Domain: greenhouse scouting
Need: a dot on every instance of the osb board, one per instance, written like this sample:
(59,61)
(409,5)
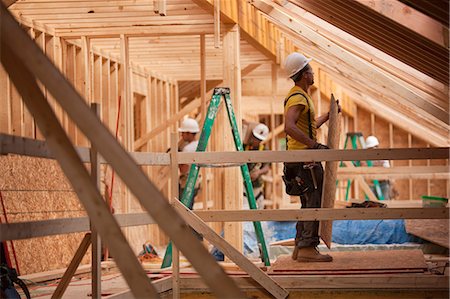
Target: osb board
(356,260)
(36,189)
(330,175)
(433,230)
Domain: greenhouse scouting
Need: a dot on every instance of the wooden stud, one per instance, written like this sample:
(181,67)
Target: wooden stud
(216,24)
(232,197)
(174,198)
(96,255)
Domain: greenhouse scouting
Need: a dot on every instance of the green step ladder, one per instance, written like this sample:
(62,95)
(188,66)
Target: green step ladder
(188,193)
(356,137)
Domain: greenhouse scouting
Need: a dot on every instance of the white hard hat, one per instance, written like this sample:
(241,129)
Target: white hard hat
(261,131)
(189,125)
(371,141)
(294,63)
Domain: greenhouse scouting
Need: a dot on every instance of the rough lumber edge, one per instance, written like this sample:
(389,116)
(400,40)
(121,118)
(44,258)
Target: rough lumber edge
(257,274)
(329,181)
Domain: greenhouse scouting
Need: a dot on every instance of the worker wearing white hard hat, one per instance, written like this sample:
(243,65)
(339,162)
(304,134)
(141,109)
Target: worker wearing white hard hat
(385,185)
(188,129)
(303,179)
(254,143)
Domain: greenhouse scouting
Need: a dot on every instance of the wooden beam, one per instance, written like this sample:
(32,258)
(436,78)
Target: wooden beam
(437,10)
(315,155)
(74,263)
(34,229)
(402,120)
(286,19)
(237,257)
(16,42)
(96,250)
(137,31)
(330,282)
(38,148)
(209,7)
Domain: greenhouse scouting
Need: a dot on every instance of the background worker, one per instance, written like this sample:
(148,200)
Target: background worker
(385,185)
(188,129)
(257,170)
(303,178)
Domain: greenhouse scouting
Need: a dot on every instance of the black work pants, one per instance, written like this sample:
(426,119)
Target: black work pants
(307,231)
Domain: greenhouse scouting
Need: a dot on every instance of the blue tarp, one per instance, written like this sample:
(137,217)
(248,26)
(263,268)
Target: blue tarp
(347,232)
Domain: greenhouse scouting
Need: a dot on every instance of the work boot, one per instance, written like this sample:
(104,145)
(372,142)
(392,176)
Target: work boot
(311,254)
(295,253)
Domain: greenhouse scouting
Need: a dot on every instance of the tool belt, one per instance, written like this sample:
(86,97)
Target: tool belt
(298,179)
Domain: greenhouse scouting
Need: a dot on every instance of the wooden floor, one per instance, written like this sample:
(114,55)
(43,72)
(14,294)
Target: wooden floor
(356,262)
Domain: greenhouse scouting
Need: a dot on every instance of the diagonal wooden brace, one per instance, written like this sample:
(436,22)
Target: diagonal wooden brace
(237,257)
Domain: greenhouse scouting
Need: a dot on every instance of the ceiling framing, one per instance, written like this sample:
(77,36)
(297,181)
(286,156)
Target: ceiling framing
(372,55)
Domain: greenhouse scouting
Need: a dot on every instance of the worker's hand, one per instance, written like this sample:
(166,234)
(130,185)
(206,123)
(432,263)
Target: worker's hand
(318,145)
(339,106)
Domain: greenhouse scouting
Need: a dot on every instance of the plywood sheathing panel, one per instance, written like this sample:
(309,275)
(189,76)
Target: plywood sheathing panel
(433,230)
(376,260)
(36,189)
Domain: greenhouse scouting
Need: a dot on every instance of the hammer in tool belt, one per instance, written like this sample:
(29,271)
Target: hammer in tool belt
(311,166)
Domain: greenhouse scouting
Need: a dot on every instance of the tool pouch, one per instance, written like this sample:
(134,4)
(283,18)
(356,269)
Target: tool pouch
(297,180)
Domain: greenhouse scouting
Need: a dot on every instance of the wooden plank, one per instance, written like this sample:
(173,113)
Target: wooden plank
(357,260)
(435,231)
(72,166)
(323,214)
(329,180)
(174,190)
(33,229)
(38,148)
(237,257)
(314,155)
(96,250)
(146,30)
(74,263)
(330,282)
(113,152)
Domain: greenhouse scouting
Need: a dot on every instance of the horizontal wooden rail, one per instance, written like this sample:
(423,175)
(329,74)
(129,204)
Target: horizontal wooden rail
(37,148)
(314,155)
(10,144)
(33,229)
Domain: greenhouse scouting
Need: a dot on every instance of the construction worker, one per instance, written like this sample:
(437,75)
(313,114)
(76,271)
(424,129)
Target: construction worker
(385,185)
(257,170)
(188,129)
(303,178)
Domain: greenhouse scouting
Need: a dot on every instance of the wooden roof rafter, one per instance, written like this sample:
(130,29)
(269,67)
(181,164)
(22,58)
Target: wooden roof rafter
(280,15)
(383,33)
(428,88)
